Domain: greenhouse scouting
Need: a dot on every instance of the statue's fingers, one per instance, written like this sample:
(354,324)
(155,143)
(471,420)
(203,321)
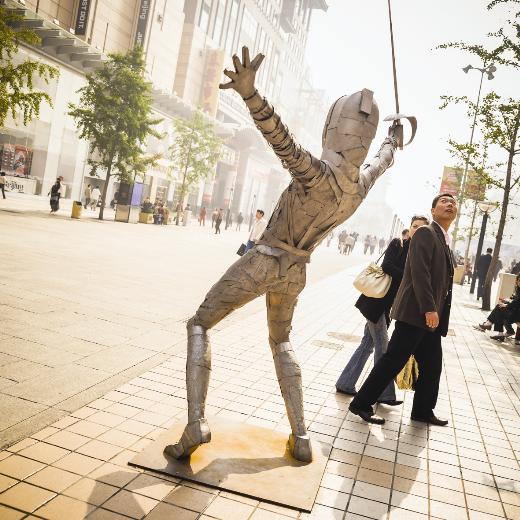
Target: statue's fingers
(245,57)
(255,64)
(237,64)
(225,85)
(230,74)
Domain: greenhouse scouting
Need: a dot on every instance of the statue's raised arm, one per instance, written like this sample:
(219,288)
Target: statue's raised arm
(302,165)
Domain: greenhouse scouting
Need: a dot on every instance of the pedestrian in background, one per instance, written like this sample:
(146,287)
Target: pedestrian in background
(218,221)
(349,244)
(482,268)
(382,243)
(202,216)
(55,194)
(257,230)
(342,241)
(214,217)
(88,195)
(377,313)
(373,244)
(240,219)
(366,244)
(422,312)
(2,183)
(96,194)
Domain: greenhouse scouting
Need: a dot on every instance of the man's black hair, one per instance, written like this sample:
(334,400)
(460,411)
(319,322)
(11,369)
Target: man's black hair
(489,250)
(260,211)
(440,195)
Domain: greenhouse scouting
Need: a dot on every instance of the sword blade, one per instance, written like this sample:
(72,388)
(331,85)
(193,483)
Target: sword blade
(396,93)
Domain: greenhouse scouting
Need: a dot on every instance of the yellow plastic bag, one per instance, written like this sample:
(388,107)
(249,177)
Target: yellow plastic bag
(408,376)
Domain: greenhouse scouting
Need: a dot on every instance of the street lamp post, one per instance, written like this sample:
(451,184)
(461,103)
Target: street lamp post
(486,208)
(489,70)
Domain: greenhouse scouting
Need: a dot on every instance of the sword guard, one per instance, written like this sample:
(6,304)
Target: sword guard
(398,128)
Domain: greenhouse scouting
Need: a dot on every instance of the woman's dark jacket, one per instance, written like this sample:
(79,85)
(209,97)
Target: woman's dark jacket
(513,307)
(393,264)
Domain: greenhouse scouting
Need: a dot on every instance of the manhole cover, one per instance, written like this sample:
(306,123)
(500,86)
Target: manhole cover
(344,337)
(326,344)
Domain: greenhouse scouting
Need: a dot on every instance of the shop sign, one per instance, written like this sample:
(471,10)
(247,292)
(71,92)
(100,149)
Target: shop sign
(142,22)
(82,17)
(20,184)
(211,80)
(452,178)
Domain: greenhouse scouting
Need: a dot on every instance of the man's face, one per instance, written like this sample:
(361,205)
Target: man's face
(445,210)
(258,215)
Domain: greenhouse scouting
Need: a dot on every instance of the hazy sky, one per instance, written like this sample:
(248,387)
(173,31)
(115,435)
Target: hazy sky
(348,49)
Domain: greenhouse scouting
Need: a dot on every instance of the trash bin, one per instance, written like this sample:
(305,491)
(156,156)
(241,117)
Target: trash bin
(77,207)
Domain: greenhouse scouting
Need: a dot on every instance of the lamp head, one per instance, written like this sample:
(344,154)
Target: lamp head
(490,71)
(467,68)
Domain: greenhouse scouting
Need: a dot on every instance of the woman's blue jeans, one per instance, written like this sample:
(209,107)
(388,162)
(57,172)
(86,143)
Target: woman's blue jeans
(374,339)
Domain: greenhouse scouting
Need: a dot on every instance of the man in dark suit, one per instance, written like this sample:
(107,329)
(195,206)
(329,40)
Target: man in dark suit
(482,268)
(422,311)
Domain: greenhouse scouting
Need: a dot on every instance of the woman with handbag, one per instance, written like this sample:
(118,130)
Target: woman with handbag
(377,313)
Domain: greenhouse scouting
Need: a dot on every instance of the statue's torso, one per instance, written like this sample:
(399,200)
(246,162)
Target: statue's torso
(304,217)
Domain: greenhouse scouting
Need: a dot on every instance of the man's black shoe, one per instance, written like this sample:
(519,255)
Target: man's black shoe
(367,415)
(346,392)
(430,420)
(391,402)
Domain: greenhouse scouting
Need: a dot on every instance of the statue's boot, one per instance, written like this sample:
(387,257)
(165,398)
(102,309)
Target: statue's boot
(290,379)
(198,370)
(195,433)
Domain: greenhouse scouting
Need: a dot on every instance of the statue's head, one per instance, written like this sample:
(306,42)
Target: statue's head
(350,127)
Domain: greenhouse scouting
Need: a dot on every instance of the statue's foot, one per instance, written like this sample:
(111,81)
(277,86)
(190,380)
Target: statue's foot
(300,447)
(195,434)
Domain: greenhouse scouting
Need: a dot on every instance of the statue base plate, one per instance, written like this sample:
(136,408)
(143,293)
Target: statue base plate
(244,459)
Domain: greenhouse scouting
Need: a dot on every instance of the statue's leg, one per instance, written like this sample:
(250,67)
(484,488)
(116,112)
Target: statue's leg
(280,309)
(243,281)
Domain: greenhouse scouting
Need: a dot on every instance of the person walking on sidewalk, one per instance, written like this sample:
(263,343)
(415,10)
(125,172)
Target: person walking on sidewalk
(422,312)
(504,315)
(2,183)
(377,313)
(88,195)
(482,268)
(373,244)
(55,193)
(257,230)
(240,219)
(382,243)
(218,221)
(96,194)
(366,244)
(202,216)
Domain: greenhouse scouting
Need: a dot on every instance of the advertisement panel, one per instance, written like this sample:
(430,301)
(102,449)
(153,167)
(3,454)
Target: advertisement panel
(80,26)
(475,188)
(212,75)
(142,22)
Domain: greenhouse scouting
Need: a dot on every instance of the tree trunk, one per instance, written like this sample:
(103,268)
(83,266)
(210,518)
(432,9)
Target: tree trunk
(105,189)
(183,186)
(486,297)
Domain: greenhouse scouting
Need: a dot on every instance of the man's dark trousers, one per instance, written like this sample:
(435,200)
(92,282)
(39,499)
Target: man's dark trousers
(407,340)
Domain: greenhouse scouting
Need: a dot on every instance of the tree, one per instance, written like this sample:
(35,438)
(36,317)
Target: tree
(196,150)
(114,115)
(501,125)
(17,93)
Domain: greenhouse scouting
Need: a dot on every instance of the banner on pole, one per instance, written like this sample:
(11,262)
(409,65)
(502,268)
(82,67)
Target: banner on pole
(82,17)
(142,22)
(475,188)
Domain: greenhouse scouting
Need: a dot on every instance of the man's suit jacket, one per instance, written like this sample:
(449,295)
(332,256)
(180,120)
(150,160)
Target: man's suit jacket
(427,280)
(483,265)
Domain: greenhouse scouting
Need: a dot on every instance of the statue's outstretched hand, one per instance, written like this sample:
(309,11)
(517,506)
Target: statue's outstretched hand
(243,79)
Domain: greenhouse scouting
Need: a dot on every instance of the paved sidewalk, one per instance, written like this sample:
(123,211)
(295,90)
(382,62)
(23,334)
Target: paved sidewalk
(403,470)
(87,305)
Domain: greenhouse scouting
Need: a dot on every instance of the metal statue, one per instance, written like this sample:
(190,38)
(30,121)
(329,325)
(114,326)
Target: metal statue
(323,193)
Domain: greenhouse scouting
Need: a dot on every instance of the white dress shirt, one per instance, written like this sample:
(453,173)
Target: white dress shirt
(257,229)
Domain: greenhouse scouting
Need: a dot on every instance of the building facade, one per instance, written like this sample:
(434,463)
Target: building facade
(187,43)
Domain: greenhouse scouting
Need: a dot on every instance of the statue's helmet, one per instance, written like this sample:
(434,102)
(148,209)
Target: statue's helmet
(350,127)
